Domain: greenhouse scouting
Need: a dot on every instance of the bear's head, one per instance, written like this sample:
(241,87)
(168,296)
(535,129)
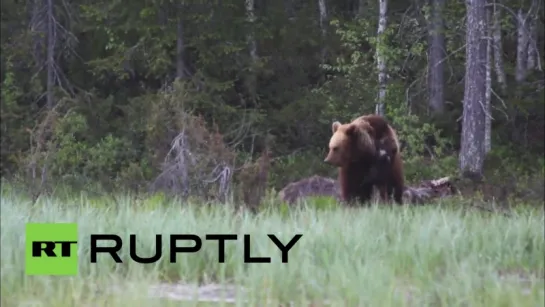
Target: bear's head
(350,142)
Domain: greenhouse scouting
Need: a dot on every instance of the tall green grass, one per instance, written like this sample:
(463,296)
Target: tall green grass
(377,256)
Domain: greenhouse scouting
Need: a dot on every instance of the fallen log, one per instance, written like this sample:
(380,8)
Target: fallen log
(426,191)
(429,190)
(308,187)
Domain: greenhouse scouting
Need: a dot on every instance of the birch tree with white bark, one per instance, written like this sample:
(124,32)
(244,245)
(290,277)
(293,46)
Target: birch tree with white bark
(323,25)
(437,55)
(380,56)
(488,84)
(497,47)
(522,46)
(472,149)
(250,16)
(528,57)
(252,46)
(181,70)
(533,60)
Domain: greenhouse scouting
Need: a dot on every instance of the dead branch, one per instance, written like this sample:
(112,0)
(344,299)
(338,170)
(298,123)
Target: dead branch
(198,162)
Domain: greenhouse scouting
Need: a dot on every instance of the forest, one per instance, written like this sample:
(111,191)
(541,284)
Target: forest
(186,96)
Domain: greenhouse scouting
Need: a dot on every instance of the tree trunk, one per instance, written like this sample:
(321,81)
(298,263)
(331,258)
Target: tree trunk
(289,10)
(437,57)
(38,28)
(381,63)
(531,61)
(180,50)
(522,46)
(251,80)
(488,90)
(473,122)
(498,49)
(51,36)
(361,8)
(323,26)
(250,15)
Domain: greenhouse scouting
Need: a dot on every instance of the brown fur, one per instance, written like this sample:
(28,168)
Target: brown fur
(355,149)
(390,178)
(353,181)
(383,133)
(349,142)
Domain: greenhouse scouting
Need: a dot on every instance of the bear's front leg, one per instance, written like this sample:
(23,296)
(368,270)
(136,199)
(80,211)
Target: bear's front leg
(365,193)
(384,190)
(398,195)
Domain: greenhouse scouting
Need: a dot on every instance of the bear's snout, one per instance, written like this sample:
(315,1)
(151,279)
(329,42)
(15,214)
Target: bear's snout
(331,160)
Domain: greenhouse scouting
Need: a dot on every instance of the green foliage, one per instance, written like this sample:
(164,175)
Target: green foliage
(322,203)
(118,107)
(294,167)
(76,157)
(13,125)
(419,168)
(411,129)
(315,203)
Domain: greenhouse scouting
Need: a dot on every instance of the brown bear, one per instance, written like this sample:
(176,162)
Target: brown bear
(391,179)
(389,163)
(361,150)
(352,149)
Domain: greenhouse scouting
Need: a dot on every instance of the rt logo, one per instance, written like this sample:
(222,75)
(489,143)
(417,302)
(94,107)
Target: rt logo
(51,249)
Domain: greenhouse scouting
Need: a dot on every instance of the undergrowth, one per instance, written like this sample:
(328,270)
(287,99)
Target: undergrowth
(442,254)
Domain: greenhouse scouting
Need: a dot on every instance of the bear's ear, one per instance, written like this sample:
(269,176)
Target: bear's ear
(351,129)
(335,126)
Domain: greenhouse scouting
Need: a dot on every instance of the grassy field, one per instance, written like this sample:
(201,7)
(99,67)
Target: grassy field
(379,256)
